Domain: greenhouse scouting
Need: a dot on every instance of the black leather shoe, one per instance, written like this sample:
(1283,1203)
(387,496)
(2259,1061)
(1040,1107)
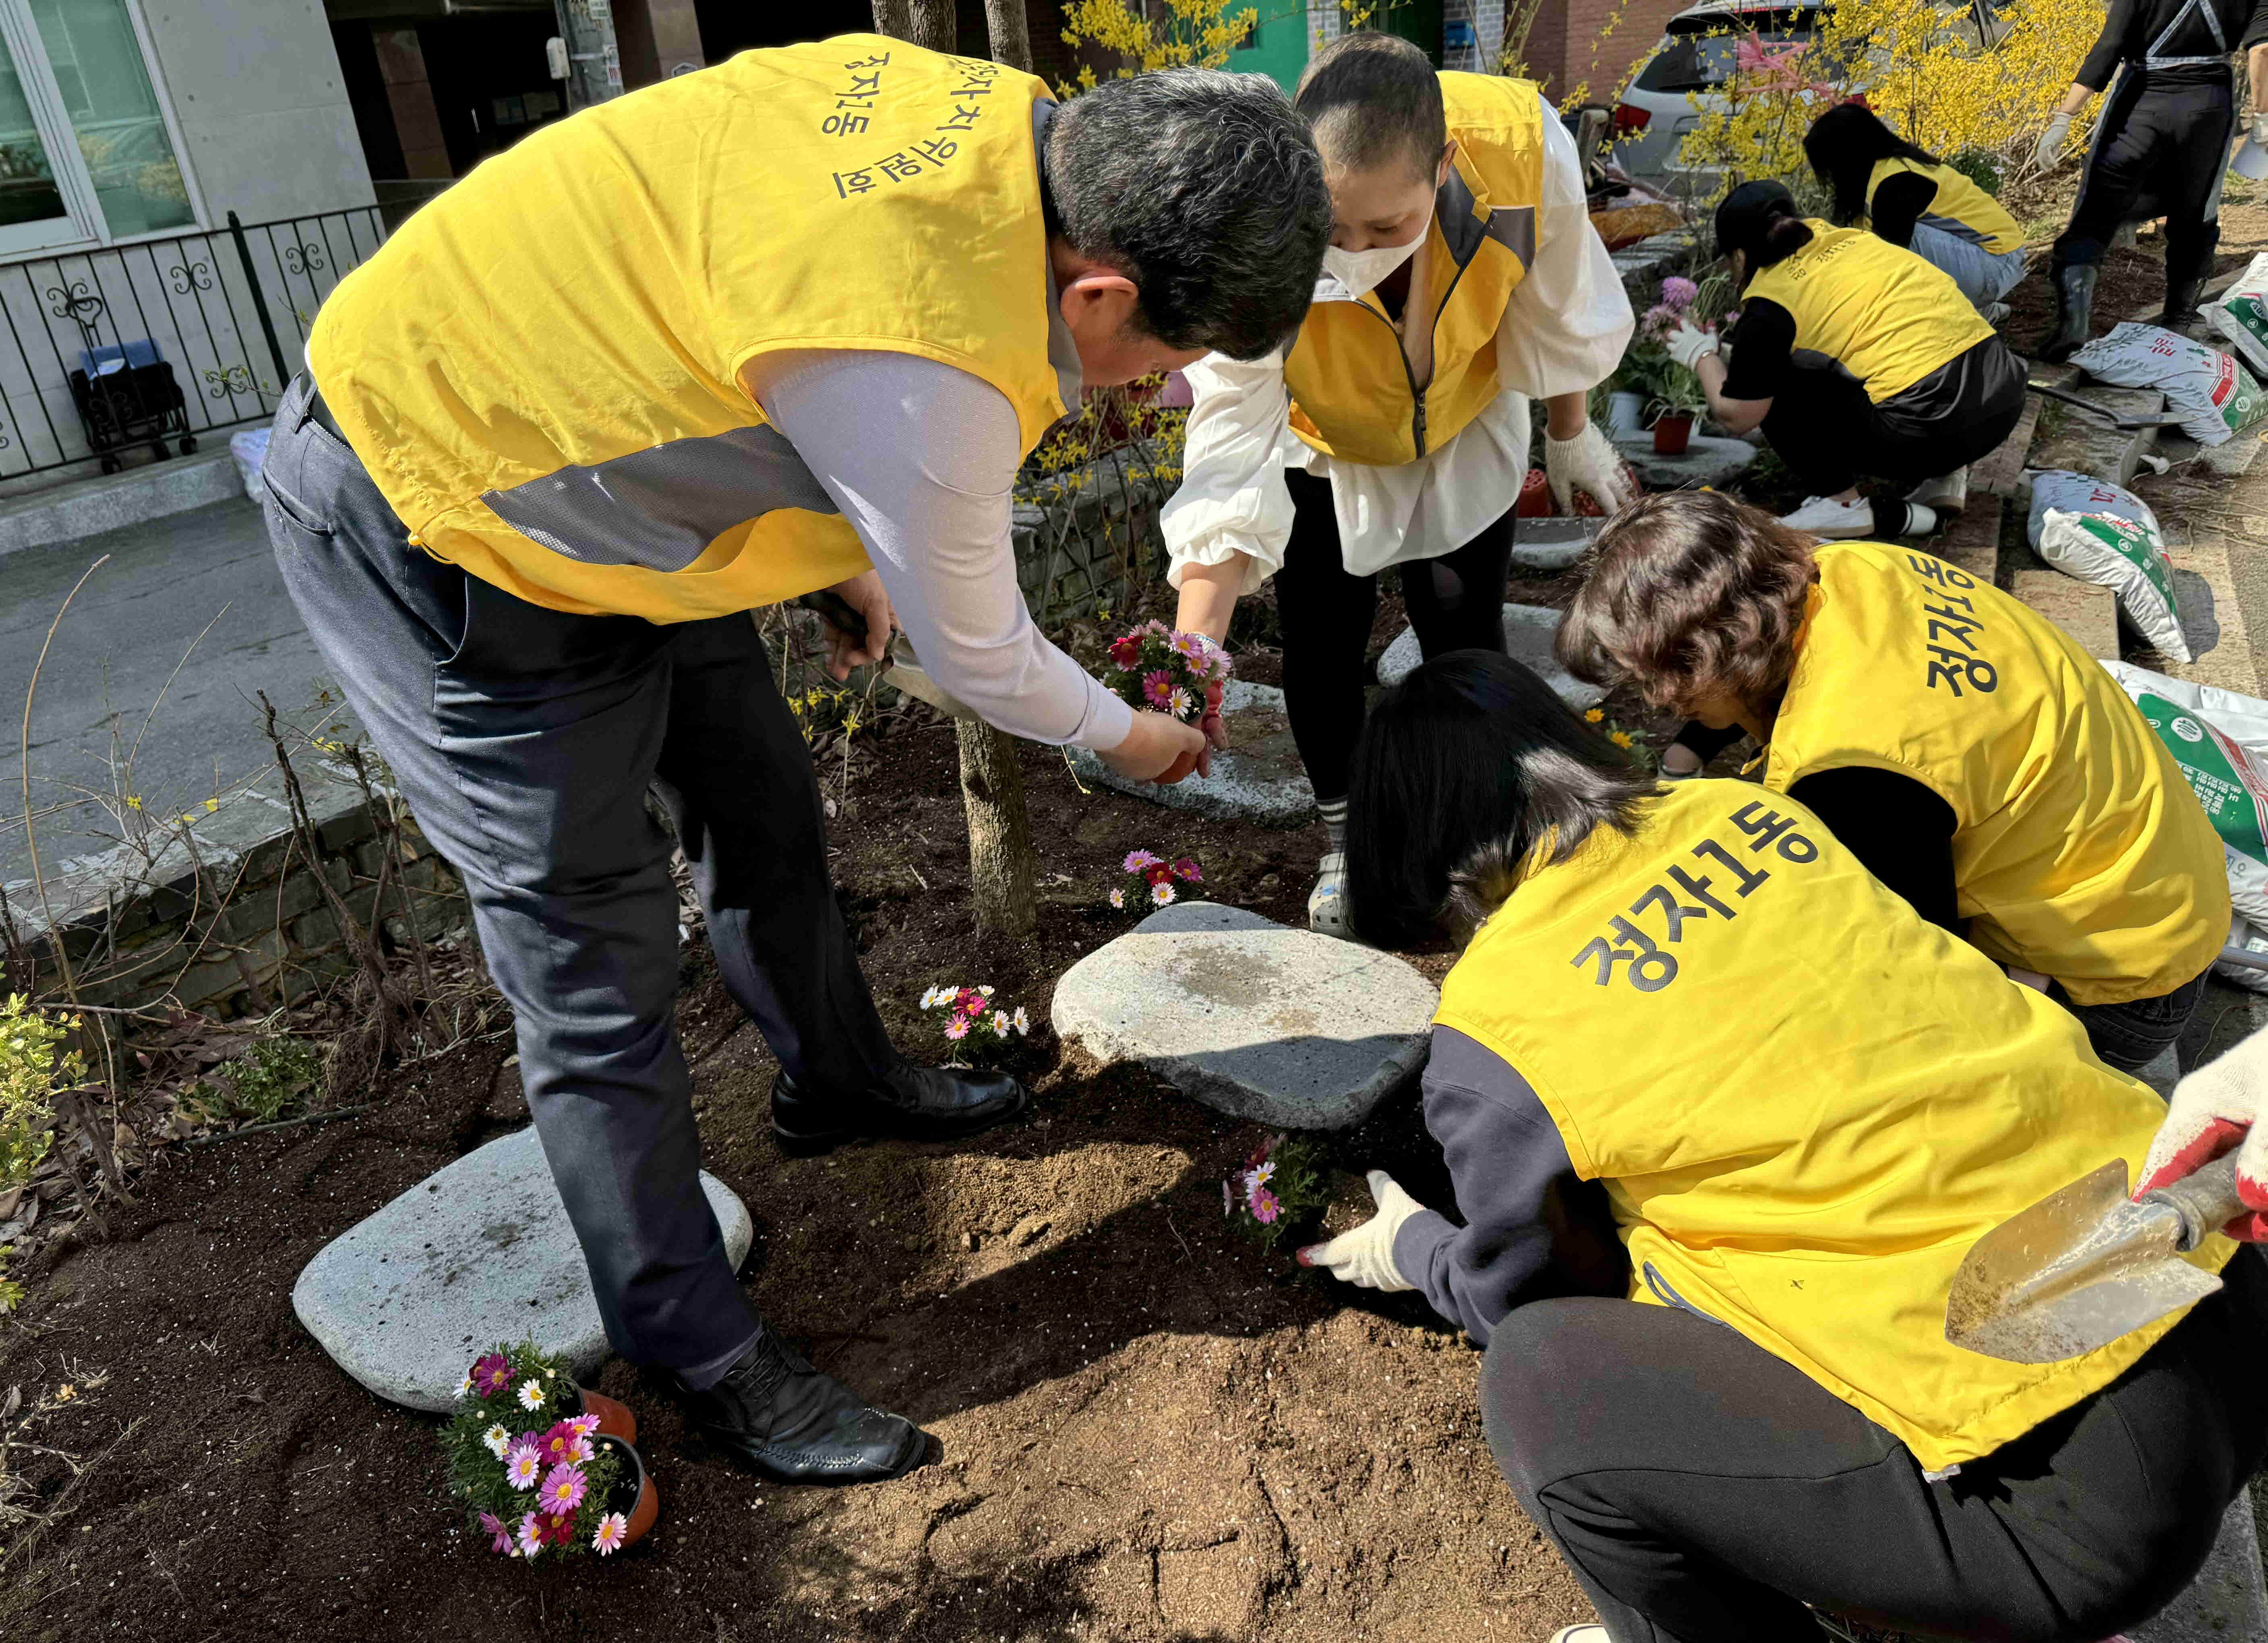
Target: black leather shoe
(928,1103)
(2074,289)
(782,1418)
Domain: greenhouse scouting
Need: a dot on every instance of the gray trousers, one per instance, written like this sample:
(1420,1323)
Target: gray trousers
(525,741)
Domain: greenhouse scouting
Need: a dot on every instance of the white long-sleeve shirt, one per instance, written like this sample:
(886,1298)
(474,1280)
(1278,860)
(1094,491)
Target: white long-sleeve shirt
(1563,331)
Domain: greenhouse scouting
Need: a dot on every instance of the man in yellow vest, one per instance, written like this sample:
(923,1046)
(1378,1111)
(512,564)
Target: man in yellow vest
(1803,1104)
(789,323)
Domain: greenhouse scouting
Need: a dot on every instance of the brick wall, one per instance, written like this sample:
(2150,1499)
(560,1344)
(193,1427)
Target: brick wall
(1570,44)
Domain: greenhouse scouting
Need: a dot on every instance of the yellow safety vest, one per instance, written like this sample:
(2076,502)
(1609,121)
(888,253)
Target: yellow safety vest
(1851,1099)
(1352,394)
(1960,208)
(1888,317)
(541,369)
(2078,851)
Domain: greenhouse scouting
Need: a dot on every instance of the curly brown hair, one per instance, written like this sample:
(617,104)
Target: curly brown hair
(1691,595)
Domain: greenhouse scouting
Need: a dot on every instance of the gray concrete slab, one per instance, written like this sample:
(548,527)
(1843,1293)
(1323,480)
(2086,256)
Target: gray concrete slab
(125,633)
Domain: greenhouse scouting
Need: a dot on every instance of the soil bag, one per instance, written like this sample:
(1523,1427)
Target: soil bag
(2092,530)
(2213,394)
(2219,740)
(2240,315)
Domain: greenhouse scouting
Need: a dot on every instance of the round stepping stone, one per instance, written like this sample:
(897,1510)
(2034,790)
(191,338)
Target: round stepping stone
(1707,460)
(1527,633)
(1254,1019)
(477,1253)
(1259,778)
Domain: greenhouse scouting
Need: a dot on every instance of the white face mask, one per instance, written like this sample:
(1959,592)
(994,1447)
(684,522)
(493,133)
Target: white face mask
(1360,271)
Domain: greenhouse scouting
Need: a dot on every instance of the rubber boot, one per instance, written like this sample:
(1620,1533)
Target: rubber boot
(2187,265)
(2074,289)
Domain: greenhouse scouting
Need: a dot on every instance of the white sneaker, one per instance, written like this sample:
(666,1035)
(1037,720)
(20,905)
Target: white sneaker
(1592,1633)
(1947,492)
(1327,902)
(1820,515)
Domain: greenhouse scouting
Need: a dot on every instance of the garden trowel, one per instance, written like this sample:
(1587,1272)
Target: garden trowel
(2084,1265)
(900,666)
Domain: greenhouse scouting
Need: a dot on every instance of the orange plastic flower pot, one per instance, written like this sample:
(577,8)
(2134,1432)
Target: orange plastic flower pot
(647,1506)
(616,1419)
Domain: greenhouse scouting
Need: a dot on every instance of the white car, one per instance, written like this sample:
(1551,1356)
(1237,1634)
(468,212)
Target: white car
(1693,61)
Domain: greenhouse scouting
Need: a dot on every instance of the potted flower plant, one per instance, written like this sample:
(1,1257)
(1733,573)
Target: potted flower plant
(1281,1189)
(543,1465)
(1671,392)
(1165,670)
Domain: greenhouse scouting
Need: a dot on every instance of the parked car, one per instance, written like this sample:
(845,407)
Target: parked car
(1693,61)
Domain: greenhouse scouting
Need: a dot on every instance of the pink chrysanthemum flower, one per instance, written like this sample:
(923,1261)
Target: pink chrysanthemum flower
(499,1532)
(523,1464)
(1678,292)
(491,1374)
(531,1536)
(1117,898)
(557,1527)
(1137,860)
(1126,651)
(1157,689)
(1187,868)
(957,1028)
(1265,1207)
(565,1444)
(564,1488)
(613,1528)
(1162,895)
(586,1426)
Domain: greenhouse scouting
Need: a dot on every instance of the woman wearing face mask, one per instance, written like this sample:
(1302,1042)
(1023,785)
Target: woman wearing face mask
(1463,279)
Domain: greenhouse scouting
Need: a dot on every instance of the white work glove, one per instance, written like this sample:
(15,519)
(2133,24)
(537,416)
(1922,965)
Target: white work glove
(1588,462)
(2211,1113)
(2050,149)
(1365,1255)
(1687,342)
(2259,131)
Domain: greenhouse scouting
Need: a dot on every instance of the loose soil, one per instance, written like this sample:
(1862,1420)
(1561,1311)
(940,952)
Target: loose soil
(1146,1427)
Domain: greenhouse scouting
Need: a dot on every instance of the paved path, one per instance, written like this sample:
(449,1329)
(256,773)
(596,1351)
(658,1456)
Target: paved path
(126,630)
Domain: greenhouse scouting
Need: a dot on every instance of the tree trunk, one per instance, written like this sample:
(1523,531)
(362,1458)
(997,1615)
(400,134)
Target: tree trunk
(1012,38)
(929,23)
(1002,863)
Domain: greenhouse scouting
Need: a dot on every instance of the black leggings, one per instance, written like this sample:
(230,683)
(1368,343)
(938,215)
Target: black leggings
(1831,435)
(1701,1489)
(2165,146)
(1456,603)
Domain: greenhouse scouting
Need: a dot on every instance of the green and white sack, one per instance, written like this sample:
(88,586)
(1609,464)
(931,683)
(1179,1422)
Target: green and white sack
(2214,395)
(2092,530)
(2220,739)
(2240,315)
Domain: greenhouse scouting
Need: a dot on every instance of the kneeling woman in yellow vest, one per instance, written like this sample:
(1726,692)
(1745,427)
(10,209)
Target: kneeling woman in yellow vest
(1803,1103)
(1462,278)
(1911,198)
(1985,767)
(1858,361)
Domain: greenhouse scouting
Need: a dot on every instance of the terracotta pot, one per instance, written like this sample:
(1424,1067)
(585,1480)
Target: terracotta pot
(647,1502)
(1534,497)
(1671,431)
(616,1419)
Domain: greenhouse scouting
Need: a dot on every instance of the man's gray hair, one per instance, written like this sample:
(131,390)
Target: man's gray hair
(1205,190)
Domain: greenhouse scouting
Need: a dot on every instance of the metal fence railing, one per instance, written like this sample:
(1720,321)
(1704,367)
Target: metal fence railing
(142,348)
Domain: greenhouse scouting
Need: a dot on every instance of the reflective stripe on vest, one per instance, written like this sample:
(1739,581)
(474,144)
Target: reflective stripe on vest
(2079,850)
(1960,208)
(1352,394)
(2150,58)
(1805,1103)
(1886,315)
(541,368)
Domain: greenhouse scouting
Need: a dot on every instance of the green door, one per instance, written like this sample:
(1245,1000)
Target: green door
(1416,21)
(1276,46)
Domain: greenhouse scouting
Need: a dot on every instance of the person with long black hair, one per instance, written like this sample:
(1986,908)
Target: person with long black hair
(1907,195)
(1804,1105)
(1859,360)
(2160,147)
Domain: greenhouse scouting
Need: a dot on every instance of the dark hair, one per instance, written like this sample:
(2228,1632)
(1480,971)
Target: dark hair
(1374,98)
(1202,188)
(1844,145)
(1691,595)
(1469,774)
(1760,220)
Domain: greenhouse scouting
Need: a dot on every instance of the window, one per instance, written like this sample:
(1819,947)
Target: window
(85,151)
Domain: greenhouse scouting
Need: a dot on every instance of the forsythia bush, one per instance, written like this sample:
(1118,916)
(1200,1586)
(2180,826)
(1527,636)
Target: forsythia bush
(1182,33)
(1927,70)
(33,1062)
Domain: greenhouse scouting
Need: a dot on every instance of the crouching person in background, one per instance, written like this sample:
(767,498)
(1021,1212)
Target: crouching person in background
(1805,1103)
